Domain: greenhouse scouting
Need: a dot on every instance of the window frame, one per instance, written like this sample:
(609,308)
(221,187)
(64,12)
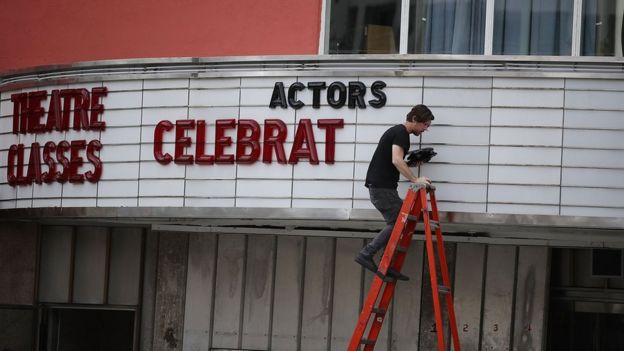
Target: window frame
(577,18)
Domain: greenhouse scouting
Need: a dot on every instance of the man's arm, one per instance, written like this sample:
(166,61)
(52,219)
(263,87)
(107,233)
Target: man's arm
(401,165)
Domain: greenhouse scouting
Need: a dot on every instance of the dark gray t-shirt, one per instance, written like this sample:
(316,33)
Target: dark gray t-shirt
(381,172)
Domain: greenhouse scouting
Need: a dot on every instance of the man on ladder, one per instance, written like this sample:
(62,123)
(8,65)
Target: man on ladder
(383,176)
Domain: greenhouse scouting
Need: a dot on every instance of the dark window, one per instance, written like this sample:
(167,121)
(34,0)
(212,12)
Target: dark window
(602,28)
(607,262)
(88,329)
(446,27)
(533,27)
(364,27)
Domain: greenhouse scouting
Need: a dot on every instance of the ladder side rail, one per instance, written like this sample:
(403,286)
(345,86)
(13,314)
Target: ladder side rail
(388,292)
(399,225)
(384,303)
(375,289)
(433,275)
(440,241)
(445,273)
(365,315)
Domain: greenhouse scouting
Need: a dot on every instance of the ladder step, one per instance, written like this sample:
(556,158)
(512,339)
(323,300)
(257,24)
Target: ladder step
(412,217)
(401,248)
(444,289)
(367,342)
(386,278)
(379,311)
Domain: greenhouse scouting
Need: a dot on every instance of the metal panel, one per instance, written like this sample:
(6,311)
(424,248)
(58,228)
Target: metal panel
(593,139)
(55,264)
(170,291)
(520,174)
(498,299)
(148,296)
(258,292)
(527,194)
(531,296)
(18,263)
(406,309)
(428,336)
(467,293)
(288,292)
(347,292)
(535,97)
(317,293)
(229,291)
(125,266)
(199,291)
(90,265)
(465,97)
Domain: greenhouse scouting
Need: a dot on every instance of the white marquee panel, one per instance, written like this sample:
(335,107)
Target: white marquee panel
(446,97)
(458,82)
(527,98)
(527,117)
(509,152)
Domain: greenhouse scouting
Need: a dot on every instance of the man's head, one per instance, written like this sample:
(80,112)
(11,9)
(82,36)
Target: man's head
(418,119)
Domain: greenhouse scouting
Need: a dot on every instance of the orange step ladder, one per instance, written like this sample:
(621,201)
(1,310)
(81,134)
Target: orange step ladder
(414,208)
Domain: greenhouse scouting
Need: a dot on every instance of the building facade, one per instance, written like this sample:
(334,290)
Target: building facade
(191,177)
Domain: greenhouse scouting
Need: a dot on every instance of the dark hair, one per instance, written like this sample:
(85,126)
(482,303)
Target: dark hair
(420,113)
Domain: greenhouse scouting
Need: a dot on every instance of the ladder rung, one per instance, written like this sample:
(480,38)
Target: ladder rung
(367,342)
(401,248)
(444,289)
(434,224)
(412,217)
(386,278)
(379,311)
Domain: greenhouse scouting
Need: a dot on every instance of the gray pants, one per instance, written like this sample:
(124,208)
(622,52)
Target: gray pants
(388,202)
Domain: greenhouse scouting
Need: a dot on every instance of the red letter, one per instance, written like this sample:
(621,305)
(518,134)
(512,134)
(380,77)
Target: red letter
(62,147)
(34,165)
(20,165)
(50,175)
(35,111)
(76,161)
(67,95)
(93,177)
(20,113)
(274,141)
(304,134)
(161,127)
(81,108)
(183,142)
(54,113)
(330,136)
(222,141)
(243,141)
(97,109)
(200,157)
(11,179)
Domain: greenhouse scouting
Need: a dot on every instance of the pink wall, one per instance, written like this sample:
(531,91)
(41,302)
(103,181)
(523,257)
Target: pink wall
(40,32)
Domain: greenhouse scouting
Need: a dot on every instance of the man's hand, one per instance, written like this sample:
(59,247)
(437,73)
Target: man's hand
(422,180)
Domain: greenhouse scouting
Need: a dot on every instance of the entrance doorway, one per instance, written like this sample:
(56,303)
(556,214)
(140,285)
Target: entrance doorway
(586,310)
(572,326)
(79,329)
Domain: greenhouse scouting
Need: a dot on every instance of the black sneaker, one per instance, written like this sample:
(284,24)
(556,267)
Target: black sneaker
(366,262)
(393,273)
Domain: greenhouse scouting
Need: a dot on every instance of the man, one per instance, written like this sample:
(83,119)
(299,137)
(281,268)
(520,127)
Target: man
(383,176)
